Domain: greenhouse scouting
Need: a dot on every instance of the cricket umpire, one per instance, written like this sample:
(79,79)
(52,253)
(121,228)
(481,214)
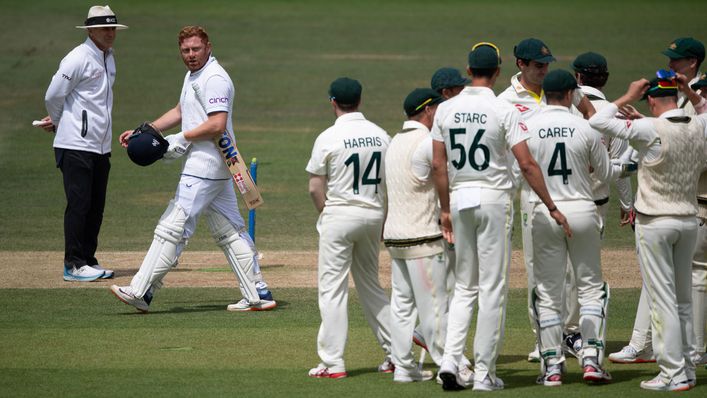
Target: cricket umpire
(79,102)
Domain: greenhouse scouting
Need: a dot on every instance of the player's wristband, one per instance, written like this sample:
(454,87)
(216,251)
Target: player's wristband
(554,208)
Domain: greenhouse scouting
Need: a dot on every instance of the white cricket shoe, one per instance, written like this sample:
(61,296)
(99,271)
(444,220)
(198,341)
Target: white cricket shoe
(107,273)
(593,372)
(401,375)
(82,274)
(657,384)
(487,384)
(323,372)
(126,295)
(453,378)
(465,376)
(245,305)
(534,356)
(387,366)
(552,376)
(629,354)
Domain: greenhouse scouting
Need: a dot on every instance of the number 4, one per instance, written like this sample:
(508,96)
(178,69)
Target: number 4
(563,171)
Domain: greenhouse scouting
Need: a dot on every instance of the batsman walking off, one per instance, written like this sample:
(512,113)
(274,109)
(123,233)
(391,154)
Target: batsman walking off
(205,185)
(347,186)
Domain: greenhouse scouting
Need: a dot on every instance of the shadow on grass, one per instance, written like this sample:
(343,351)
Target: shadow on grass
(281,305)
(361,371)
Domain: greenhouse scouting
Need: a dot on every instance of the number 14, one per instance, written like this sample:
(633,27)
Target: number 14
(367,180)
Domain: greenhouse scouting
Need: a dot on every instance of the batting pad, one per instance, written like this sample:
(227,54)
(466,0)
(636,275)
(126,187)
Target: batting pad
(162,254)
(239,253)
(592,321)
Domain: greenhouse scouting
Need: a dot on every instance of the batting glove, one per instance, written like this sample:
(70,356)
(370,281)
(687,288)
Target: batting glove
(178,146)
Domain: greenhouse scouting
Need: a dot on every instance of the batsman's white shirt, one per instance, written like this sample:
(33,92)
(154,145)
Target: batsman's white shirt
(79,99)
(478,142)
(217,93)
(350,153)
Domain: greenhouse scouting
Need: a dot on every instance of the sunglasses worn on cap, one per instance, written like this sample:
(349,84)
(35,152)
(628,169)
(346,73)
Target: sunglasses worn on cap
(665,74)
(488,44)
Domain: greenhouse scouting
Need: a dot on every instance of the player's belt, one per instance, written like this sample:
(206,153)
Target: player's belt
(702,201)
(601,202)
(411,242)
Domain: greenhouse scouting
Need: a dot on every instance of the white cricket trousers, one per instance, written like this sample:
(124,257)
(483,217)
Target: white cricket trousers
(349,240)
(419,289)
(551,249)
(641,336)
(570,314)
(665,248)
(699,288)
(195,195)
(483,248)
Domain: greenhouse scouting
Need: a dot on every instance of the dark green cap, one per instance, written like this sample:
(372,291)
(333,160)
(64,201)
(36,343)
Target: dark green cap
(419,98)
(590,63)
(686,47)
(700,83)
(559,80)
(345,91)
(447,77)
(534,50)
(484,56)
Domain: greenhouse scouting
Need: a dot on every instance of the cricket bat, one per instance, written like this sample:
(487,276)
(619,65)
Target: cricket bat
(226,145)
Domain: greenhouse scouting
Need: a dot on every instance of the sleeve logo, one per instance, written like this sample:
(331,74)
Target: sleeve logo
(218,100)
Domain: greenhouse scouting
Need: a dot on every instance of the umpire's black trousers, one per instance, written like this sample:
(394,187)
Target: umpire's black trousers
(85,184)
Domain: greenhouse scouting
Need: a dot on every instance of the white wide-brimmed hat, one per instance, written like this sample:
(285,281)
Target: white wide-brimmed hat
(101,17)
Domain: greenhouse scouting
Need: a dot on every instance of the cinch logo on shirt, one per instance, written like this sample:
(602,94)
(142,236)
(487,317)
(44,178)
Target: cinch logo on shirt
(221,100)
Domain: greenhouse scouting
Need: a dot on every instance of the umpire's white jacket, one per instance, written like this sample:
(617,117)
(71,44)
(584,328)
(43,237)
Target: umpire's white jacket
(80,98)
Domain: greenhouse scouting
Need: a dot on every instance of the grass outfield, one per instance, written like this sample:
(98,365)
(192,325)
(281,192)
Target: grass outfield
(75,342)
(281,55)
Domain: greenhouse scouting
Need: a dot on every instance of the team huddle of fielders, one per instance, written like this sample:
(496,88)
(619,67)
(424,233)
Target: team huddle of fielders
(441,192)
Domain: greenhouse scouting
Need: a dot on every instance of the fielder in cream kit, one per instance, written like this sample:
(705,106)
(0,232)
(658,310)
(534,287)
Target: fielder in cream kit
(347,186)
(526,94)
(473,133)
(205,185)
(672,151)
(564,145)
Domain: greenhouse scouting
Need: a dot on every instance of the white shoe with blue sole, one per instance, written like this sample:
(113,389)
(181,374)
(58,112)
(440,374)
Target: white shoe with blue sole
(107,273)
(82,274)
